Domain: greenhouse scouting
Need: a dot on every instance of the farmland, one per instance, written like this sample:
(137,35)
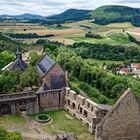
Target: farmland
(69,33)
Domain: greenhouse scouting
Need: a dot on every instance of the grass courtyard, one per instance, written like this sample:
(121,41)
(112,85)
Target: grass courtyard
(62,121)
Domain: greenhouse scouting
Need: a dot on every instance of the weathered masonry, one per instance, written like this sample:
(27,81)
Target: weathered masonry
(16,103)
(31,102)
(84,109)
(122,122)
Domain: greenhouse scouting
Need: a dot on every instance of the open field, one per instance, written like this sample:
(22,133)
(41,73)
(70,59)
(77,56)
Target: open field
(72,32)
(118,38)
(55,32)
(62,121)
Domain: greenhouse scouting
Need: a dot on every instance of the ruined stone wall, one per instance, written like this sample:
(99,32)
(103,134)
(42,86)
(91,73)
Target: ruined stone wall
(16,103)
(84,109)
(56,70)
(51,100)
(122,122)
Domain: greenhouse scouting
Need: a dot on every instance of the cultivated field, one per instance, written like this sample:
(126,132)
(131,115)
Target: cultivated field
(72,32)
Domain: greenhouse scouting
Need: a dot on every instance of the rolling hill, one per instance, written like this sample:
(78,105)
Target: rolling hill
(71,15)
(103,15)
(116,14)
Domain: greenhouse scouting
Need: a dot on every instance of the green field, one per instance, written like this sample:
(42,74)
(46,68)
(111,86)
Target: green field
(117,38)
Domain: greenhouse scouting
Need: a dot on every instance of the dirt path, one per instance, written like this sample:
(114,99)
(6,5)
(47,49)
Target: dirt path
(36,130)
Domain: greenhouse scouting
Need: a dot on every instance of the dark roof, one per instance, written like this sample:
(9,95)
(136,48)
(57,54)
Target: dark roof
(19,63)
(45,64)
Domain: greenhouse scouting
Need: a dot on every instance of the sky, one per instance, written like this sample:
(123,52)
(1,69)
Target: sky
(50,7)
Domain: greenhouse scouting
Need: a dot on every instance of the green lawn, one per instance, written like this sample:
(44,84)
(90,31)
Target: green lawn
(12,122)
(61,122)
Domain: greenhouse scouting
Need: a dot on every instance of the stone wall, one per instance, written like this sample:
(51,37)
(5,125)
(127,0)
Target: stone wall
(51,100)
(16,103)
(123,121)
(84,109)
(55,70)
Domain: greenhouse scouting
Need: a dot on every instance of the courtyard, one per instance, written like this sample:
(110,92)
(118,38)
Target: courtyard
(62,121)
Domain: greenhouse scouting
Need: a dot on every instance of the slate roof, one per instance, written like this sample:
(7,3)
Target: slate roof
(45,64)
(19,63)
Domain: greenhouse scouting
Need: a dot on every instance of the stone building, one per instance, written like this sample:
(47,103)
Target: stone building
(122,122)
(18,64)
(52,74)
(84,109)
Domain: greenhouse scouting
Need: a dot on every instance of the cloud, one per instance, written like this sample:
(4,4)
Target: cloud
(49,7)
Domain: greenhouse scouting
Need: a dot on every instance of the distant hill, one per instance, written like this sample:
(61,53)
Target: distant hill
(70,15)
(102,15)
(30,16)
(112,14)
(25,16)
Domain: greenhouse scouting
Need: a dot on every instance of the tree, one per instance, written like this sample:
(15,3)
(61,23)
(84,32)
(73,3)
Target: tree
(34,56)
(9,80)
(30,77)
(6,57)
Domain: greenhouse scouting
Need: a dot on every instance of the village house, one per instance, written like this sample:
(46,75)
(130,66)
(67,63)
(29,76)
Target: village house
(132,69)
(124,71)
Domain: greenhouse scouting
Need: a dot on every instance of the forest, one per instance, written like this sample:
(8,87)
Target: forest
(106,51)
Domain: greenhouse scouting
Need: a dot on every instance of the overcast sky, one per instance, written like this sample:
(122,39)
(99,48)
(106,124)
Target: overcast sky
(50,7)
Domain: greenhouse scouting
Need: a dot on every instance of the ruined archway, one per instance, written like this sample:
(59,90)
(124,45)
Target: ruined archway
(5,109)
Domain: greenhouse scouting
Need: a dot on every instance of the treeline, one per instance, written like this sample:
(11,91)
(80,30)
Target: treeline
(30,35)
(133,39)
(92,35)
(6,44)
(106,51)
